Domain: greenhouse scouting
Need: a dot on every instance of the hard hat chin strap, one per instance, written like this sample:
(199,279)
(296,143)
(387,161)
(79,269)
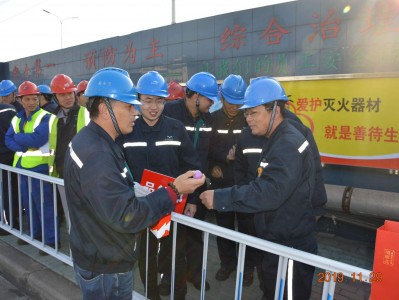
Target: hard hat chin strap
(112,115)
(197,103)
(269,129)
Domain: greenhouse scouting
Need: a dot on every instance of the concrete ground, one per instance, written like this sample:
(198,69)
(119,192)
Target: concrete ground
(44,277)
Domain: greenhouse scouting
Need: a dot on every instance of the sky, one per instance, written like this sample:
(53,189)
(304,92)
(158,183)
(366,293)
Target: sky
(26,30)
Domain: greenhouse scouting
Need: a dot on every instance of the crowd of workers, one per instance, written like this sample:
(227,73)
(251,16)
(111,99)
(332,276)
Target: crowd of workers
(261,166)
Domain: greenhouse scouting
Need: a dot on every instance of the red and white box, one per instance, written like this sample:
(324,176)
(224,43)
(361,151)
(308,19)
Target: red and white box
(153,181)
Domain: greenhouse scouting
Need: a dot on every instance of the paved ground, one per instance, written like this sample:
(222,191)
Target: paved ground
(9,291)
(345,249)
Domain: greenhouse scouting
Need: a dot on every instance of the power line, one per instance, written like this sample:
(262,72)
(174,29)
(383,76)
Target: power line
(22,12)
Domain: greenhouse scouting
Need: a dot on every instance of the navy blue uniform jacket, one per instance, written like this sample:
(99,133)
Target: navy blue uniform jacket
(249,148)
(7,112)
(104,212)
(202,126)
(164,148)
(225,134)
(281,195)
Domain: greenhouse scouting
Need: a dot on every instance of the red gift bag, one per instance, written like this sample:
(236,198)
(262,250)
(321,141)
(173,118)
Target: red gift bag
(153,181)
(385,276)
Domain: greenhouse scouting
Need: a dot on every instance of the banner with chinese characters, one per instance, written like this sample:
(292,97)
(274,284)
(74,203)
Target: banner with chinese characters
(354,120)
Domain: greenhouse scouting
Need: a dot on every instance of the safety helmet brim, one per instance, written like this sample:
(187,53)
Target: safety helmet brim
(7,87)
(205,84)
(112,83)
(153,84)
(263,90)
(231,100)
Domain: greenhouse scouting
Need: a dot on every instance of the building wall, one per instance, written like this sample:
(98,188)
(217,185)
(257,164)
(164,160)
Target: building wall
(306,37)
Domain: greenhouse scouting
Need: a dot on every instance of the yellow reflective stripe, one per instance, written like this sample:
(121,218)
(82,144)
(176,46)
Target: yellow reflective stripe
(39,118)
(15,120)
(51,121)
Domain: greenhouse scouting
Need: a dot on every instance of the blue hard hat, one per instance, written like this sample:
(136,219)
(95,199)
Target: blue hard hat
(205,84)
(233,89)
(7,87)
(263,90)
(44,89)
(152,83)
(112,83)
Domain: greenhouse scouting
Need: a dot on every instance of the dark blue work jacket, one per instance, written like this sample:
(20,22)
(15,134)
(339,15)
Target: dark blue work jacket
(225,134)
(199,129)
(164,148)
(249,148)
(105,213)
(280,195)
(7,112)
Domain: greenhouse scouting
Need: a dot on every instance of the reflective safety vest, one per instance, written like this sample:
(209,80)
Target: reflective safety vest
(83,120)
(32,157)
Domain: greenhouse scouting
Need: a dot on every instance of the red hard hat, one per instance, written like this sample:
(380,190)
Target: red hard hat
(81,86)
(62,84)
(176,91)
(28,88)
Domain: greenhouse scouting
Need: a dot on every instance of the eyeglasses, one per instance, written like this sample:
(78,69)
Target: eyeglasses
(149,103)
(253,114)
(250,114)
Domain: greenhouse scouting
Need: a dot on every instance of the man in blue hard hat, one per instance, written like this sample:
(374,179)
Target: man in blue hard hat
(46,101)
(280,195)
(160,144)
(227,125)
(7,112)
(8,94)
(106,216)
(193,111)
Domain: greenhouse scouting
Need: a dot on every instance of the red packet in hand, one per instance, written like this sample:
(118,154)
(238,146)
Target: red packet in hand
(153,181)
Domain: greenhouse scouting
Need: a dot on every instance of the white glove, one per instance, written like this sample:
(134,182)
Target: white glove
(140,190)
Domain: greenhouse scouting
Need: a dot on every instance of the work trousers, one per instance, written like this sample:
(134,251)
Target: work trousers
(195,247)
(10,203)
(227,249)
(162,262)
(165,260)
(302,273)
(48,206)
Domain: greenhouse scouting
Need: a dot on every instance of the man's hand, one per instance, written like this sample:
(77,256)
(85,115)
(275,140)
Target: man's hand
(217,172)
(207,198)
(186,184)
(232,153)
(190,210)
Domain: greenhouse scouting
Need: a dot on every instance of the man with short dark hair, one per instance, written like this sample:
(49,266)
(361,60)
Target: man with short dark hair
(106,216)
(193,112)
(280,195)
(8,94)
(7,112)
